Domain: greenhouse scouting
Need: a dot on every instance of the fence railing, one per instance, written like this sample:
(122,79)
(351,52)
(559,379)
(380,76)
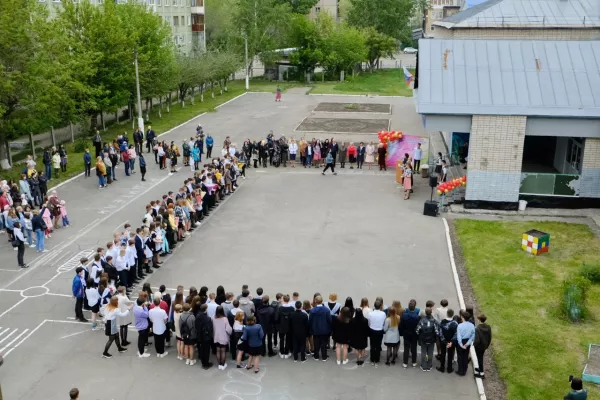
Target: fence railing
(550,184)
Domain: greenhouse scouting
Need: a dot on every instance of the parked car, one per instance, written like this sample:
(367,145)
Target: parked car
(410,50)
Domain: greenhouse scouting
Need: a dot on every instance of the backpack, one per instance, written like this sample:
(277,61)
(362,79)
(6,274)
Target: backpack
(428,331)
(184,329)
(447,332)
(285,315)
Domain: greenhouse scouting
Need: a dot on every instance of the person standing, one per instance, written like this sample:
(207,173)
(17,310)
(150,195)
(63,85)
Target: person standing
(124,322)
(427,332)
(265,315)
(282,320)
(447,335)
(293,148)
(351,155)
(370,157)
(97,144)
(342,331)
(376,322)
(329,163)
(483,339)
(299,328)
(465,335)
(209,145)
(19,243)
(342,154)
(253,335)
(111,311)
(407,180)
(78,289)
(409,322)
(278,94)
(222,332)
(189,337)
(417,156)
(56,163)
(204,332)
(320,326)
(87,162)
(38,226)
(158,317)
(381,152)
(150,136)
(360,157)
(391,336)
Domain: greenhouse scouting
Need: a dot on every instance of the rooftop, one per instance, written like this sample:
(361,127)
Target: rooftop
(509,77)
(526,14)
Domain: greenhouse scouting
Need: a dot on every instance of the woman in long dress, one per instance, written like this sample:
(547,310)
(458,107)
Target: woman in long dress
(342,154)
(407,181)
(381,152)
(370,158)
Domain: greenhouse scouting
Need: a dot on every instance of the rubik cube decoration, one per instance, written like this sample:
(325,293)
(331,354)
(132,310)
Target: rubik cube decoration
(535,242)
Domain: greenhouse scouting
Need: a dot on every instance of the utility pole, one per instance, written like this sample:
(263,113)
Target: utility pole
(139,97)
(247,65)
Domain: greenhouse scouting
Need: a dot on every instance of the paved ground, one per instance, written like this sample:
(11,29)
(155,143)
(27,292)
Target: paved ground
(284,229)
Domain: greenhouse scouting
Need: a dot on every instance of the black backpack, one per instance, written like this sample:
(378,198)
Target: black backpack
(184,329)
(428,331)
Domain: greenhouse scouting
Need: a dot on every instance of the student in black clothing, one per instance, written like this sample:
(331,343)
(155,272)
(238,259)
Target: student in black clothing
(204,334)
(299,328)
(266,318)
(284,312)
(448,328)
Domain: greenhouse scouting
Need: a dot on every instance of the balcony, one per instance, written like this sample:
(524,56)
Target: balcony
(197,27)
(197,10)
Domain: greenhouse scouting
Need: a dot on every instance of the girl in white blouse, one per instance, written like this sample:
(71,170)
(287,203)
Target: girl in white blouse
(293,151)
(111,312)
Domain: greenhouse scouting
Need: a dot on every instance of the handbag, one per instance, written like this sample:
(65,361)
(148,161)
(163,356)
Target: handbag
(16,243)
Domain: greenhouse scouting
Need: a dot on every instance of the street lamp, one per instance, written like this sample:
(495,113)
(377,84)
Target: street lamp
(139,97)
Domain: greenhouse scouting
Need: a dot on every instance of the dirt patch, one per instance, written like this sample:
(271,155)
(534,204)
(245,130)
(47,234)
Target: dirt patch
(341,125)
(354,107)
(495,389)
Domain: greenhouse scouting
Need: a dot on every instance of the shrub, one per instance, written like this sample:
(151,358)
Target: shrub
(81,144)
(591,272)
(573,301)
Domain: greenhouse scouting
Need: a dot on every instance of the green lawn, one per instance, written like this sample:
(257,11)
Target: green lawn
(385,82)
(535,348)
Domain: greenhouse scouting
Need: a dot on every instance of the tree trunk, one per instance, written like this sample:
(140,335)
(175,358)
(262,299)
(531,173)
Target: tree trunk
(102,121)
(226,84)
(117,116)
(212,89)
(192,97)
(169,103)
(160,107)
(220,87)
(202,93)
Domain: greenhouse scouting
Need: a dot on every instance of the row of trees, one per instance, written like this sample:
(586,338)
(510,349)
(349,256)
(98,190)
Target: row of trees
(76,66)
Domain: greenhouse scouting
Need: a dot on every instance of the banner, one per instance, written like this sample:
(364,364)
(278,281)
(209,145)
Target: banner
(397,148)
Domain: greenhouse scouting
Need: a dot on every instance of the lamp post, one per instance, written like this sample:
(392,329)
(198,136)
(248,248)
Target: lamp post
(139,97)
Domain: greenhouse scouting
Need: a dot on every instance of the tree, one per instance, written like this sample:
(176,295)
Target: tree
(31,71)
(220,30)
(187,76)
(378,45)
(390,17)
(309,38)
(302,7)
(346,49)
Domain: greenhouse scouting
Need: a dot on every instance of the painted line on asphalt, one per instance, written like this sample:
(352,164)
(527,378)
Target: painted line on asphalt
(11,270)
(83,232)
(120,225)
(461,302)
(7,336)
(76,333)
(13,307)
(12,341)
(164,133)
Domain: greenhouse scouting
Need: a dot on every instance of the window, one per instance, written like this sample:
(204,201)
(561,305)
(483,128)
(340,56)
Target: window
(183,20)
(189,20)
(151,2)
(176,21)
(317,9)
(174,3)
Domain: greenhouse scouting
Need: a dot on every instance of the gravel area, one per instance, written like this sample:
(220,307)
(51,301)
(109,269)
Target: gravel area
(495,389)
(354,108)
(344,125)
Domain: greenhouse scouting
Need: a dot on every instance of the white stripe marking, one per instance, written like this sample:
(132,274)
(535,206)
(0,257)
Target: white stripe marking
(9,335)
(14,340)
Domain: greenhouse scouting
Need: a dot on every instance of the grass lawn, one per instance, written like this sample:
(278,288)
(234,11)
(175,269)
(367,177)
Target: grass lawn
(535,348)
(385,82)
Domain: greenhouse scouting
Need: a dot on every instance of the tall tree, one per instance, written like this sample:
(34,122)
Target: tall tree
(378,45)
(346,49)
(31,71)
(308,36)
(219,26)
(390,17)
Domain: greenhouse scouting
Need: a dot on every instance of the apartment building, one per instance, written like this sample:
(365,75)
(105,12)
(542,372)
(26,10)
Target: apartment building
(186,18)
(518,83)
(329,6)
(440,9)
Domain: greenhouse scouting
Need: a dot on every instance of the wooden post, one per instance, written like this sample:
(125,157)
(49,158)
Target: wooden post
(53,137)
(32,145)
(72,132)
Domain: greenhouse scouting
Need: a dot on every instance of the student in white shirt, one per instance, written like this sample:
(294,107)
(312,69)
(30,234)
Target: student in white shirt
(111,312)
(417,155)
(376,321)
(159,318)
(212,305)
(131,255)
(122,267)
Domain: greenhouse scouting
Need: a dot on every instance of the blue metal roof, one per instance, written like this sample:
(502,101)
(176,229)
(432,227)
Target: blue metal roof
(509,77)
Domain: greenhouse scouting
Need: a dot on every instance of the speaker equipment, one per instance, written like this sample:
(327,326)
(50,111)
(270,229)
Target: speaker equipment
(431,208)
(433,181)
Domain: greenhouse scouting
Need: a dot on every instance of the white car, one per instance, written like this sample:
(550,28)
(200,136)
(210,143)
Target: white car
(410,50)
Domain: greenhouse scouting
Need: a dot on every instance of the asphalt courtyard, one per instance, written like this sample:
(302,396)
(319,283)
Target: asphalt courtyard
(284,229)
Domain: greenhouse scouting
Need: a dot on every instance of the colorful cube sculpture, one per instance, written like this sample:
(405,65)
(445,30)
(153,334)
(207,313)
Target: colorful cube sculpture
(535,242)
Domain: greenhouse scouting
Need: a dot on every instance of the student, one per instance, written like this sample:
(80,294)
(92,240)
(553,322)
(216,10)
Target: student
(465,335)
(222,332)
(140,312)
(124,322)
(253,334)
(87,162)
(266,318)
(320,326)
(78,289)
(93,300)
(360,334)
(282,320)
(299,327)
(376,322)
(188,334)
(19,240)
(578,392)
(342,331)
(329,163)
(444,173)
(238,329)
(74,394)
(427,331)
(246,303)
(334,308)
(204,333)
(409,322)
(391,337)
(483,339)
(111,311)
(158,317)
(447,335)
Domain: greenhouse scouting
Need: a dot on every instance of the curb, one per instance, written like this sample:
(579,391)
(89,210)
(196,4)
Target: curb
(164,133)
(461,302)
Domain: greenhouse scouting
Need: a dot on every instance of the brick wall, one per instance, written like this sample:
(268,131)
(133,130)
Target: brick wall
(495,158)
(510,33)
(590,173)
